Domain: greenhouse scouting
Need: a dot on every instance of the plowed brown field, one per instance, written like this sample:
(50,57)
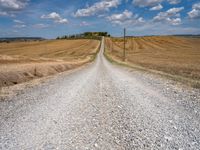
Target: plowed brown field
(22,61)
(68,50)
(174,55)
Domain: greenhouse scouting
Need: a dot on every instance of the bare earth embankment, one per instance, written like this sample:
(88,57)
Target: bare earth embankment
(175,57)
(23,61)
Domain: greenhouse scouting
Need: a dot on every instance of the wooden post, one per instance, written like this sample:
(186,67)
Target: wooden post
(124,54)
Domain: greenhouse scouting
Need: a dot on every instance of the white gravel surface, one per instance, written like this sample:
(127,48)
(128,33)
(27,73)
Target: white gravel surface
(102,106)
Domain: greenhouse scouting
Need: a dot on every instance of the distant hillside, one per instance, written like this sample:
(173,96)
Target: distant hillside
(11,39)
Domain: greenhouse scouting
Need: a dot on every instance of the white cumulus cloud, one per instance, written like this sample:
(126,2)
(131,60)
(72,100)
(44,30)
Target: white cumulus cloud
(84,23)
(195,12)
(125,18)
(19,26)
(103,5)
(158,7)
(13,4)
(171,16)
(121,17)
(146,3)
(3,13)
(174,21)
(55,17)
(10,7)
(174,1)
(18,21)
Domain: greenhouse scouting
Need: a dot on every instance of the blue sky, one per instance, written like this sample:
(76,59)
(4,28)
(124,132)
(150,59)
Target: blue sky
(52,18)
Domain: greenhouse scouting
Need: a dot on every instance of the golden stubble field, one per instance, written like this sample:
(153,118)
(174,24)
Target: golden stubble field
(173,55)
(23,61)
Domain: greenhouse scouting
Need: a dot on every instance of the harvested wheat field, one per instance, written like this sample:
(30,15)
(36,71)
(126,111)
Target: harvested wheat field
(173,55)
(23,61)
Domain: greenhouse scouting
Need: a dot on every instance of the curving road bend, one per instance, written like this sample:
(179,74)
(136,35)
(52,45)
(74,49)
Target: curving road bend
(102,106)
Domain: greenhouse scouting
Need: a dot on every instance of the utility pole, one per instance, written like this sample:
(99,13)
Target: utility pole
(124,44)
(132,43)
(112,44)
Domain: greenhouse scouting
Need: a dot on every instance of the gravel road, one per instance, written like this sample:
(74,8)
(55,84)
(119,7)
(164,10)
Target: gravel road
(102,106)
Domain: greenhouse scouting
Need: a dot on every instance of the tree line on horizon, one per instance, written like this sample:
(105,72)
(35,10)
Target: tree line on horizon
(86,35)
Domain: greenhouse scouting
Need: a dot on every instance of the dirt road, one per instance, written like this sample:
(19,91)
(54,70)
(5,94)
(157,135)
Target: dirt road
(102,106)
